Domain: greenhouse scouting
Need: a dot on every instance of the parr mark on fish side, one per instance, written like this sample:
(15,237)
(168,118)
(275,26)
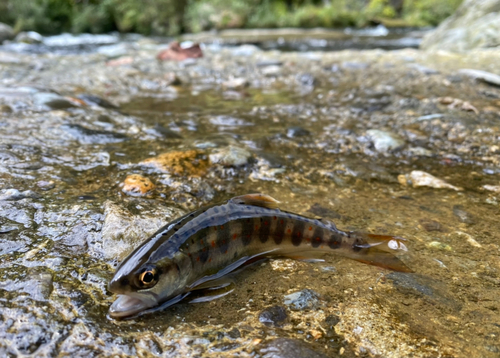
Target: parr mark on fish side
(197,250)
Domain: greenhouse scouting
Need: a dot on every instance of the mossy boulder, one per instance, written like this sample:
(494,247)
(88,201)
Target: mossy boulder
(475,24)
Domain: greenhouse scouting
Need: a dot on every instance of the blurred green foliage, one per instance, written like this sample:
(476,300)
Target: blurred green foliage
(428,12)
(171,17)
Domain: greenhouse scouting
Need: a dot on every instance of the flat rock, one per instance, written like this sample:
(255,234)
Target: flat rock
(91,136)
(487,77)
(122,231)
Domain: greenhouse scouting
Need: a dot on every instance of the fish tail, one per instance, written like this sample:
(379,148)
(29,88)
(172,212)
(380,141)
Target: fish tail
(379,251)
(382,259)
(381,242)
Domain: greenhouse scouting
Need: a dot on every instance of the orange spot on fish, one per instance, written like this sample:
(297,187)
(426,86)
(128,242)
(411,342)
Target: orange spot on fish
(274,217)
(266,223)
(213,243)
(298,234)
(225,252)
(281,222)
(210,260)
(310,228)
(223,242)
(201,242)
(198,258)
(215,228)
(235,236)
(289,231)
(204,249)
(318,239)
(308,240)
(222,227)
(256,227)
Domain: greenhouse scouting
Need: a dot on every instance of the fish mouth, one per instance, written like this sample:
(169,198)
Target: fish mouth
(130,305)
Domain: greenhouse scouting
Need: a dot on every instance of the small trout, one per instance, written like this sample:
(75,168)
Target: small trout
(196,250)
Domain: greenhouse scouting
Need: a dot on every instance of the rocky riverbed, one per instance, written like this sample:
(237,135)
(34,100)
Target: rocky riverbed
(98,150)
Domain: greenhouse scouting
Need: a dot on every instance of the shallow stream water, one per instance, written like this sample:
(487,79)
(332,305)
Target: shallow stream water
(338,135)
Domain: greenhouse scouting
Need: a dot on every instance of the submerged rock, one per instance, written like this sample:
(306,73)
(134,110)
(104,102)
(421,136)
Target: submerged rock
(190,162)
(289,348)
(302,300)
(293,132)
(91,136)
(137,185)
(419,178)
(51,100)
(385,141)
(14,194)
(463,215)
(273,316)
(96,100)
(230,156)
(122,231)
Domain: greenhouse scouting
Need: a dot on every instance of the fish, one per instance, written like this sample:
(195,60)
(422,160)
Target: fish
(200,248)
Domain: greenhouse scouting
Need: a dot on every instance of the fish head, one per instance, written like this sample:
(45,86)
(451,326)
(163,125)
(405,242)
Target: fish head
(145,285)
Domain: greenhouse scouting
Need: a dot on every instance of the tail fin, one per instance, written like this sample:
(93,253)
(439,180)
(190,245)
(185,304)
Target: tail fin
(379,251)
(382,259)
(381,242)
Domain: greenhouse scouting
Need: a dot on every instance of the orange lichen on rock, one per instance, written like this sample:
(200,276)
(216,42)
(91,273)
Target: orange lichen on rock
(137,185)
(191,162)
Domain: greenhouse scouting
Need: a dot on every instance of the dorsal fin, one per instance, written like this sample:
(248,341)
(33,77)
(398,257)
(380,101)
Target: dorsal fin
(262,200)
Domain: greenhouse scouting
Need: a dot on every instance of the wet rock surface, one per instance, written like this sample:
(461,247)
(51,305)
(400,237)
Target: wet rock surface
(302,300)
(273,316)
(289,348)
(335,135)
(475,24)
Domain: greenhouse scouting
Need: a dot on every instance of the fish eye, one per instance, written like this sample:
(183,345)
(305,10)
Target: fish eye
(148,277)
